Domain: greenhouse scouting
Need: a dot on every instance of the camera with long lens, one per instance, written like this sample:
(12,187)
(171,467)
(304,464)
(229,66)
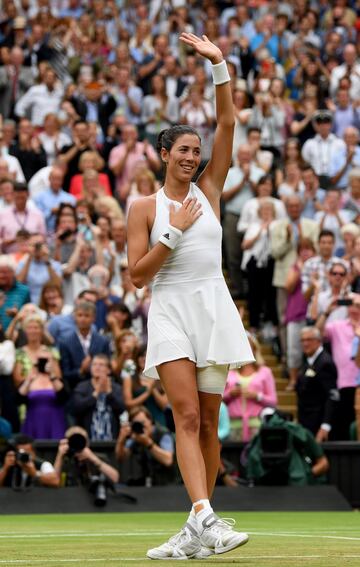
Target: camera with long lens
(98,487)
(137,427)
(77,443)
(22,457)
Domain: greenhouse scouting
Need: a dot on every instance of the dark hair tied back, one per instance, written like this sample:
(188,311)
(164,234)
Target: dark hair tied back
(168,137)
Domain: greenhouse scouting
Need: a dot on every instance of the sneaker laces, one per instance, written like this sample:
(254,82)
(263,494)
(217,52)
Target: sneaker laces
(179,537)
(223,524)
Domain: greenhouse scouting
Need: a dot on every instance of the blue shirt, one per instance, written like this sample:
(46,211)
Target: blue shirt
(17,296)
(38,275)
(338,161)
(48,200)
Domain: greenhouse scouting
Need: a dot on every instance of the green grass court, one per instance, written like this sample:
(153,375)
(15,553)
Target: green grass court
(276,539)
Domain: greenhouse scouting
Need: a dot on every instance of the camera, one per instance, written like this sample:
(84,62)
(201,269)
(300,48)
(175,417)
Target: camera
(344,301)
(66,234)
(98,487)
(23,457)
(77,443)
(38,246)
(41,364)
(137,427)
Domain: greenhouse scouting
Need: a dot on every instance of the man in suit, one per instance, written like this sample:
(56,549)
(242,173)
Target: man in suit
(96,106)
(15,80)
(284,239)
(316,386)
(79,346)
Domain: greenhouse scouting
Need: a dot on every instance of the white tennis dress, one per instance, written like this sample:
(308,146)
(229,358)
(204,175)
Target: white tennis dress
(192,314)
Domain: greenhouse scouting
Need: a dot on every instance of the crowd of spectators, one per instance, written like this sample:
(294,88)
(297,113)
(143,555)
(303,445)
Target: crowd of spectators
(85,89)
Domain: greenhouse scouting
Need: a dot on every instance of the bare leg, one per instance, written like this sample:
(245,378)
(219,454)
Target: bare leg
(209,441)
(178,378)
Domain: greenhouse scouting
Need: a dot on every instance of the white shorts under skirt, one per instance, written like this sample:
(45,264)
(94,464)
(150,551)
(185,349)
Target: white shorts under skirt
(196,320)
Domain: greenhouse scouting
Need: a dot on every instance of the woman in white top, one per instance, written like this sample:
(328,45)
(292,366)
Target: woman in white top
(195,331)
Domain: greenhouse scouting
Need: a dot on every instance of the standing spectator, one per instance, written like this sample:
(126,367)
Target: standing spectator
(89,161)
(96,105)
(41,99)
(38,268)
(333,297)
(8,401)
(313,197)
(284,237)
(128,96)
(259,265)
(341,334)
(13,295)
(345,161)
(14,168)
(270,118)
(97,402)
(352,196)
(317,268)
(316,386)
(159,111)
(296,309)
(153,62)
(124,157)
(19,217)
(250,212)
(351,68)
(321,150)
(48,201)
(15,80)
(28,150)
(239,187)
(37,376)
(199,113)
(332,217)
(52,138)
(346,114)
(70,154)
(79,346)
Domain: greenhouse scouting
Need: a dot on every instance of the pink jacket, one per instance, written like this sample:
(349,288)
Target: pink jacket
(263,383)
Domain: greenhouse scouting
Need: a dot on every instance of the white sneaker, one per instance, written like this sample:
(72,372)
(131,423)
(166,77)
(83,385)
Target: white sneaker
(219,535)
(184,545)
(204,553)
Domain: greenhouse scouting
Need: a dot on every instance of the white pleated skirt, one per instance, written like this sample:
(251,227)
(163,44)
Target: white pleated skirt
(197,320)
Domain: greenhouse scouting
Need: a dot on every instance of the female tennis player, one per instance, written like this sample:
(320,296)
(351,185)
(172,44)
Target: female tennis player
(195,332)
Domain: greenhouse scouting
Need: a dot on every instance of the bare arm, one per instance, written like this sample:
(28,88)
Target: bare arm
(211,181)
(292,280)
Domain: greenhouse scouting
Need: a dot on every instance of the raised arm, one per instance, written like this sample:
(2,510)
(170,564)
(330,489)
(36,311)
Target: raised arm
(211,181)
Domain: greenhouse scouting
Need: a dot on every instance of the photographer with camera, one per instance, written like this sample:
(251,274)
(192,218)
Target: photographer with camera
(146,449)
(76,463)
(22,468)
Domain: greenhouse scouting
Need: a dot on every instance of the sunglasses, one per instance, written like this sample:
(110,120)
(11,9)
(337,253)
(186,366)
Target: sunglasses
(342,274)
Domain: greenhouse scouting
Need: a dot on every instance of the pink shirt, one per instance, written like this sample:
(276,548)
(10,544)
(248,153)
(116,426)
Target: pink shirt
(133,158)
(263,383)
(11,221)
(340,334)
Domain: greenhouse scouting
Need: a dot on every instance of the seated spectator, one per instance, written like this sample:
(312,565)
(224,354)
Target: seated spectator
(317,394)
(259,266)
(8,402)
(38,268)
(332,217)
(296,309)
(317,268)
(37,376)
(77,466)
(22,468)
(89,160)
(126,346)
(19,216)
(292,183)
(97,403)
(13,295)
(198,112)
(159,111)
(79,346)
(48,201)
(52,138)
(145,451)
(61,325)
(341,334)
(248,390)
(70,154)
(140,390)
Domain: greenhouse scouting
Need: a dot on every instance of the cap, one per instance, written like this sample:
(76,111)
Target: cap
(19,23)
(322,116)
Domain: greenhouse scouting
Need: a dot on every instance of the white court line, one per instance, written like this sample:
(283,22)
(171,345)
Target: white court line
(155,533)
(129,559)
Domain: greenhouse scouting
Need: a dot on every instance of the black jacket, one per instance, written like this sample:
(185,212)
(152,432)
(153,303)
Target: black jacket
(317,392)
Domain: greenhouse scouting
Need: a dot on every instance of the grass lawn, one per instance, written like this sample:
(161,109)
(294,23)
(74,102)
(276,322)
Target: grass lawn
(286,539)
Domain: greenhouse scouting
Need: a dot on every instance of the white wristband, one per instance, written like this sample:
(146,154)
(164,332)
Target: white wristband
(171,237)
(220,73)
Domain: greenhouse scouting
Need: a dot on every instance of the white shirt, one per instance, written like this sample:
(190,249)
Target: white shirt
(40,181)
(249,213)
(339,72)
(311,359)
(14,165)
(39,101)
(318,152)
(235,175)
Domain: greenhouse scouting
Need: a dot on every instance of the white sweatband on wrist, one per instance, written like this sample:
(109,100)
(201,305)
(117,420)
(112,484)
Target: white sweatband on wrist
(171,237)
(220,73)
